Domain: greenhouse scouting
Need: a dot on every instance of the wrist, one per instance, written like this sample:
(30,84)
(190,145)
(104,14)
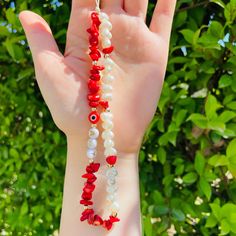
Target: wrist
(128,190)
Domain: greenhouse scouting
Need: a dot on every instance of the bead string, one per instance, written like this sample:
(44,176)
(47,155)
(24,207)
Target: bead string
(100,26)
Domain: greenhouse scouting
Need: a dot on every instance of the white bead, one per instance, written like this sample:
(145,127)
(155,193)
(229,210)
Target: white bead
(108,143)
(109,62)
(110,151)
(108,69)
(105,33)
(112,189)
(92,143)
(107,96)
(106,116)
(115,206)
(103,16)
(108,78)
(107,134)
(106,88)
(93,132)
(108,124)
(106,43)
(91,153)
(106,25)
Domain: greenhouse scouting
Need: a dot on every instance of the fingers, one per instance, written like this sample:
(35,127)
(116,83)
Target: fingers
(112,3)
(163,17)
(39,36)
(136,8)
(84,3)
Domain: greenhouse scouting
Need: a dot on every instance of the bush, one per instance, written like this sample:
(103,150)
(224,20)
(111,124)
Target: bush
(188,157)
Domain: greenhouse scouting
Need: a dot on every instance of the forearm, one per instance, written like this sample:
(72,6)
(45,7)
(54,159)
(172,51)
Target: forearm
(128,193)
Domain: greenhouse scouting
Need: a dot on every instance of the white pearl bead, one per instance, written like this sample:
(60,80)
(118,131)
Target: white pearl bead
(109,62)
(106,25)
(108,124)
(106,88)
(106,43)
(103,16)
(92,143)
(108,143)
(106,116)
(93,132)
(110,151)
(108,78)
(105,33)
(115,206)
(91,153)
(107,97)
(107,134)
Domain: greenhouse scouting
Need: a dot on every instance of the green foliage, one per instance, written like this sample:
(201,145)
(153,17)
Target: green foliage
(188,159)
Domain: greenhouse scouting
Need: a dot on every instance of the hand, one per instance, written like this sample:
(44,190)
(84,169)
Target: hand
(140,56)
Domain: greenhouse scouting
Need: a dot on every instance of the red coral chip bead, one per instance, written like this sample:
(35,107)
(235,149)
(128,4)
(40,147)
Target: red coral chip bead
(95,77)
(94,15)
(94,117)
(86,203)
(93,86)
(96,67)
(111,160)
(86,196)
(91,219)
(93,104)
(107,224)
(97,220)
(93,97)
(88,211)
(108,50)
(94,72)
(114,219)
(89,188)
(95,166)
(104,104)
(93,41)
(88,176)
(83,217)
(94,56)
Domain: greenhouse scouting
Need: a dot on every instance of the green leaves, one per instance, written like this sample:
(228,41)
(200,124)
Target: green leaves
(231,155)
(199,163)
(211,106)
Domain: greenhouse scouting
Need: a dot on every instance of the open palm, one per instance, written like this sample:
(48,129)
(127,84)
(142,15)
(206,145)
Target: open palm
(140,55)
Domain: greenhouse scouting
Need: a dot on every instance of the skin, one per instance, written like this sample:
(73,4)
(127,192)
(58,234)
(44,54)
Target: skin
(141,56)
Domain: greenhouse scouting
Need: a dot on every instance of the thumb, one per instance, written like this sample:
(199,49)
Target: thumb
(39,36)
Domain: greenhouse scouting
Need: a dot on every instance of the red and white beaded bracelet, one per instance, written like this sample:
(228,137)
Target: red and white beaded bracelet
(100,77)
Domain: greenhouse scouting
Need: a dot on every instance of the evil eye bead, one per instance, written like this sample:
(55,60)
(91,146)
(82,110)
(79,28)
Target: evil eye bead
(94,117)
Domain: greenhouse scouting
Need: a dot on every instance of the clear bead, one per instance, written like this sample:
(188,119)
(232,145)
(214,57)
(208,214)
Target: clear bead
(115,206)
(107,124)
(106,25)
(106,88)
(108,79)
(111,172)
(111,181)
(103,16)
(112,189)
(106,116)
(106,42)
(105,33)
(107,96)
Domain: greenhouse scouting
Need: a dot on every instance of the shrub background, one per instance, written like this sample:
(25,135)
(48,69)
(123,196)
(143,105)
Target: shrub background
(188,157)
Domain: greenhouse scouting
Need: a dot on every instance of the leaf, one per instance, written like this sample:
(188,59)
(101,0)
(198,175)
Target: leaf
(231,105)
(224,227)
(147,226)
(178,215)
(161,153)
(218,2)
(4,31)
(231,154)
(216,210)
(190,178)
(226,116)
(211,222)
(225,81)
(211,106)
(218,160)
(24,208)
(199,120)
(205,187)
(216,125)
(199,163)
(188,35)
